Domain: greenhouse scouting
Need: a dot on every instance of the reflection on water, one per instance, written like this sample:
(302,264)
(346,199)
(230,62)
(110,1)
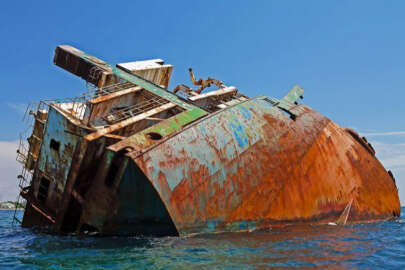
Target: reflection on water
(369,245)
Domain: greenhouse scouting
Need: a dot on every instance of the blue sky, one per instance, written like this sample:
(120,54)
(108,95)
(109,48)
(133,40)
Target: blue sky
(349,56)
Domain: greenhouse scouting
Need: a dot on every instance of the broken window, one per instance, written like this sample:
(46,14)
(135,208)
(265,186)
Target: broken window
(43,190)
(55,145)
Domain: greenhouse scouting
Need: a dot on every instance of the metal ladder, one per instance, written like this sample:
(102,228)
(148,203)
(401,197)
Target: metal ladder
(24,178)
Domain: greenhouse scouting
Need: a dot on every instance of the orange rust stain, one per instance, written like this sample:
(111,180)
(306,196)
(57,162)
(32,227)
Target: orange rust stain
(299,171)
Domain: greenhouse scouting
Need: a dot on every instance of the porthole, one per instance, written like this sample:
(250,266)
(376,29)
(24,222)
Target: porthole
(154,136)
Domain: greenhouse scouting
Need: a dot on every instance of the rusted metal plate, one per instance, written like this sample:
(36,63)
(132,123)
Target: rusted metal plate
(251,166)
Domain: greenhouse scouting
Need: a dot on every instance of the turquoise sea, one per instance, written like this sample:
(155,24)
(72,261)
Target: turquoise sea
(379,245)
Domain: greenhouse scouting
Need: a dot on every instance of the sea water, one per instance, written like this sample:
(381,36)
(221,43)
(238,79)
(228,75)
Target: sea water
(378,245)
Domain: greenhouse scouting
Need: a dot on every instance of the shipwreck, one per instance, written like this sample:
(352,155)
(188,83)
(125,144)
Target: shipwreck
(130,157)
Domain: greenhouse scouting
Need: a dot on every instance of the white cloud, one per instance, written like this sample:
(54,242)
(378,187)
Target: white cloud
(390,133)
(9,169)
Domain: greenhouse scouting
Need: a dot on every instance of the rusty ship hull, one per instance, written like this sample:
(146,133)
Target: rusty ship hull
(204,163)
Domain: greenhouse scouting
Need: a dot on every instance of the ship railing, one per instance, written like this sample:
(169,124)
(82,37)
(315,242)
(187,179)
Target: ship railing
(24,178)
(150,102)
(22,150)
(76,106)
(28,124)
(96,92)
